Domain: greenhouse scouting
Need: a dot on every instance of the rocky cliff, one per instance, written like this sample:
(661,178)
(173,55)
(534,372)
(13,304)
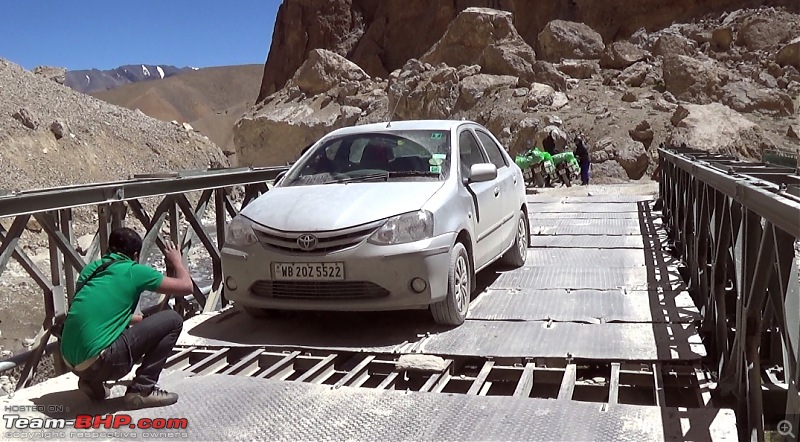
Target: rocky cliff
(725,84)
(381,35)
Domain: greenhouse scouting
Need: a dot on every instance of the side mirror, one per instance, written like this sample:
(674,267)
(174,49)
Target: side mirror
(479,173)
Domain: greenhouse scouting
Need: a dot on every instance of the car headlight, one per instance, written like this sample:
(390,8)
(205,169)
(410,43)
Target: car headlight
(240,232)
(401,229)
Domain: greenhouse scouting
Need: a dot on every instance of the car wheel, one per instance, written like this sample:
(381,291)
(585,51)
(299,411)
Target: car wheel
(261,313)
(453,309)
(516,255)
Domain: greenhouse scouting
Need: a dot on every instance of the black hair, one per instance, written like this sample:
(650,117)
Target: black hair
(125,241)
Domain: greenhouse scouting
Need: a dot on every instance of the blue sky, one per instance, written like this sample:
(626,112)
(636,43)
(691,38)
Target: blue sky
(105,34)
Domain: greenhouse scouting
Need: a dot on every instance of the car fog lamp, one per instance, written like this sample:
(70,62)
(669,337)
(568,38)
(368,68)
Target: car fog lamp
(418,285)
(231,283)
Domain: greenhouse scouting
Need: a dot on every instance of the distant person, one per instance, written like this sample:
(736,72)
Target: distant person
(102,338)
(582,154)
(549,144)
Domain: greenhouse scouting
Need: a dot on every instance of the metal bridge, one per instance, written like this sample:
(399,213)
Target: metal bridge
(636,317)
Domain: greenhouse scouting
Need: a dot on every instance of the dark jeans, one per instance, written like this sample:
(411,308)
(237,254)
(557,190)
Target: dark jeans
(151,340)
(584,170)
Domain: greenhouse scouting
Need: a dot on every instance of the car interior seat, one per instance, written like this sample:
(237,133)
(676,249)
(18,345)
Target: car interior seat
(375,156)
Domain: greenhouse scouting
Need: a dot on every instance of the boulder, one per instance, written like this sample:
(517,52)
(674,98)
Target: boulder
(722,39)
(718,129)
(673,44)
(639,74)
(629,97)
(485,37)
(561,40)
(793,132)
(60,129)
(276,133)
(627,158)
(541,97)
(789,55)
(57,74)
(746,96)
(431,93)
(546,73)
(524,136)
(323,70)
(25,117)
(693,80)
(581,69)
(767,30)
(474,87)
(621,54)
(642,133)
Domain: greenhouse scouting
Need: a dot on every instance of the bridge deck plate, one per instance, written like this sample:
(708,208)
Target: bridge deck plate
(572,257)
(533,339)
(594,199)
(586,208)
(588,241)
(587,306)
(589,278)
(219,407)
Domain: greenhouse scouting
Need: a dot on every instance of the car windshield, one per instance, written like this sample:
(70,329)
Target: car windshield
(412,155)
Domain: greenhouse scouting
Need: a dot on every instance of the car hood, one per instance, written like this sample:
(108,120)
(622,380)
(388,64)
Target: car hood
(337,206)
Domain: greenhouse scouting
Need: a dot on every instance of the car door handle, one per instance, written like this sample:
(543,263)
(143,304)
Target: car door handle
(496,191)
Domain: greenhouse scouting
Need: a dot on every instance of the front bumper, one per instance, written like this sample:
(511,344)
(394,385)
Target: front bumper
(376,277)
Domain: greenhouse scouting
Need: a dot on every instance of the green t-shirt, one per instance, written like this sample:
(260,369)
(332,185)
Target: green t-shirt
(102,309)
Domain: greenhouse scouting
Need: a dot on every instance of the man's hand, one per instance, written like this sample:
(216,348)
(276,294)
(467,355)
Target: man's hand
(135,319)
(172,257)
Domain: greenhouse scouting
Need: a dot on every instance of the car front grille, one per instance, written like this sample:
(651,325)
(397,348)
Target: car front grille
(318,289)
(327,242)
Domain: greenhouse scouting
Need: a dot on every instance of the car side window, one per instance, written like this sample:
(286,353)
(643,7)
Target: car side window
(469,152)
(492,149)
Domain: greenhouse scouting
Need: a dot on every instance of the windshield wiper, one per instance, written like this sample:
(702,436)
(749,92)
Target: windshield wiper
(369,177)
(411,173)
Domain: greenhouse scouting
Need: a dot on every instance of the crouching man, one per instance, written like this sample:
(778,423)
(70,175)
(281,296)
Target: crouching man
(102,339)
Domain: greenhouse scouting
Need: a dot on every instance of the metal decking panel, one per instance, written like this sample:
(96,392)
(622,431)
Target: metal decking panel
(244,408)
(584,208)
(589,306)
(584,230)
(609,341)
(577,257)
(587,241)
(594,199)
(567,215)
(591,278)
(388,332)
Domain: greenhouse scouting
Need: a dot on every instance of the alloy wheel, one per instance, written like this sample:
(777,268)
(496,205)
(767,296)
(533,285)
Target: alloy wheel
(462,283)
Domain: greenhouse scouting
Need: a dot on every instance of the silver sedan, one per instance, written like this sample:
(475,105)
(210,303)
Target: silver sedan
(387,216)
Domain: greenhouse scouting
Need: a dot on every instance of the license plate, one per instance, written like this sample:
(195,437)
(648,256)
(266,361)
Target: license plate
(307,271)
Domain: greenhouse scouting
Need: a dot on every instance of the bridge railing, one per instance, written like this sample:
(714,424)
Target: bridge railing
(175,196)
(735,225)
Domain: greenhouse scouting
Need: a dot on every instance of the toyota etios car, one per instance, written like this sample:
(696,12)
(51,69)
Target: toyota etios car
(387,216)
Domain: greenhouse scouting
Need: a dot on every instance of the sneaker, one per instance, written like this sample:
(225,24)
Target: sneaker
(155,398)
(97,391)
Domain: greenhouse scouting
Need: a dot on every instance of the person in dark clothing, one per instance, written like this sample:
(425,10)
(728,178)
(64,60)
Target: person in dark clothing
(582,154)
(549,144)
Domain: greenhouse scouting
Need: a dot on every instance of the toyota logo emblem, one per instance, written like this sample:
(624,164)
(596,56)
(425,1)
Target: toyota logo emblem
(307,242)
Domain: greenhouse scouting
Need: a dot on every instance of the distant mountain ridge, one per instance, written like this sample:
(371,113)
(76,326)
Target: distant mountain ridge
(94,80)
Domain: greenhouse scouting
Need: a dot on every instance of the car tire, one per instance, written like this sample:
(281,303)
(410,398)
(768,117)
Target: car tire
(453,309)
(515,256)
(262,313)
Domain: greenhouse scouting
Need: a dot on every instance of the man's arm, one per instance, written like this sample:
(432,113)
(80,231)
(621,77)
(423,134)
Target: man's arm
(177,282)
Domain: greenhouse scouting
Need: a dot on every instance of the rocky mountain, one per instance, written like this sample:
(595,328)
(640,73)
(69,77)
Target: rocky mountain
(208,99)
(51,135)
(93,80)
(727,83)
(382,35)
